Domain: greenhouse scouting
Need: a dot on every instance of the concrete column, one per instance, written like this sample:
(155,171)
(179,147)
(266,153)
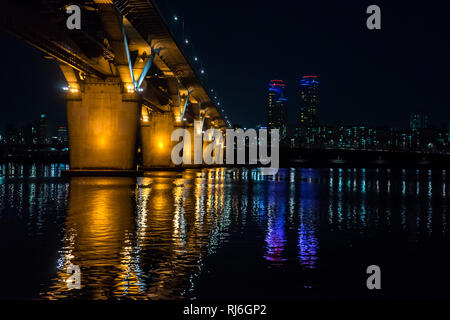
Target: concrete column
(103,123)
(206,127)
(189,152)
(156,143)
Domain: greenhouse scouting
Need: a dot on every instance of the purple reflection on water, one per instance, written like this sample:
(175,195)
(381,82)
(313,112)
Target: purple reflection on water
(275,236)
(307,239)
(307,246)
(275,239)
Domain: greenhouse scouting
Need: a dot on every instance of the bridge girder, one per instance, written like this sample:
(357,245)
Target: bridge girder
(104,53)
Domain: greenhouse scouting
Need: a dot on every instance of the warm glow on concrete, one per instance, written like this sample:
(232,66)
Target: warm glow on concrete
(102,127)
(102,142)
(144,114)
(156,143)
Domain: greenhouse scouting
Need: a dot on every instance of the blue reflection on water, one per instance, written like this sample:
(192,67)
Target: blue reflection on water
(171,235)
(276,211)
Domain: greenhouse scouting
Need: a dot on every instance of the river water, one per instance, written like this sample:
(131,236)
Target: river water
(224,234)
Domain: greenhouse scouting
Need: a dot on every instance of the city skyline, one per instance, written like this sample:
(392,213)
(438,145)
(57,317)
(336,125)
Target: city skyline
(364,75)
(277,100)
(39,131)
(277,112)
(58,118)
(385,75)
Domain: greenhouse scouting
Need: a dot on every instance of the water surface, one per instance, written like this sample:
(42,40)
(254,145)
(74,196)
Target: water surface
(224,233)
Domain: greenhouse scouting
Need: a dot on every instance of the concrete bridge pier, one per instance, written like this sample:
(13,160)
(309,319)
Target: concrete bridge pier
(197,136)
(189,153)
(102,119)
(156,131)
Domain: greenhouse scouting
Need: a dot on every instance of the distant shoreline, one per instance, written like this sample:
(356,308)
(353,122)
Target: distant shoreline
(289,158)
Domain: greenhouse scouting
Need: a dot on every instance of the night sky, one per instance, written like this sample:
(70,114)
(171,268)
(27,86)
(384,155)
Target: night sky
(375,77)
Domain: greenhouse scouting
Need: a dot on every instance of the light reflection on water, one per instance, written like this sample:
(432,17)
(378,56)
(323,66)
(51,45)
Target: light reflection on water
(168,235)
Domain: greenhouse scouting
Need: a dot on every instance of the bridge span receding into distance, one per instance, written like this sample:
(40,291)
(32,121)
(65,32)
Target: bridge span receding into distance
(129,85)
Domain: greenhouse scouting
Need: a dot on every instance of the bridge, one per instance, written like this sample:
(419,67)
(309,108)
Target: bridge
(129,85)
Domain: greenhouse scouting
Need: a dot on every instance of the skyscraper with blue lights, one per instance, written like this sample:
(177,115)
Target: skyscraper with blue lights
(277,109)
(309,95)
(309,99)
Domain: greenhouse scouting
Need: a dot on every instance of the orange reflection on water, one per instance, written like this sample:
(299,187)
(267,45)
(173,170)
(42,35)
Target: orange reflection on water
(99,223)
(135,238)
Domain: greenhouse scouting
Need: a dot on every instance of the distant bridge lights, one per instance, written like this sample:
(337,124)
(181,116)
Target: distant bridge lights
(202,71)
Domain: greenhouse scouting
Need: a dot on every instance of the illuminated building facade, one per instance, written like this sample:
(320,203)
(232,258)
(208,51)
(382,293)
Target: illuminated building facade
(361,137)
(63,136)
(418,121)
(30,134)
(342,137)
(277,109)
(309,100)
(309,95)
(42,129)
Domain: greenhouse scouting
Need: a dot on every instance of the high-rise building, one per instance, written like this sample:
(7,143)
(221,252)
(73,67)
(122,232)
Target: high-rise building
(277,109)
(309,95)
(42,130)
(309,100)
(29,134)
(418,121)
(63,136)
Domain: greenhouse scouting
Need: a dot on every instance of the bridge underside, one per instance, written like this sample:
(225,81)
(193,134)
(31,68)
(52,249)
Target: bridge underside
(129,86)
